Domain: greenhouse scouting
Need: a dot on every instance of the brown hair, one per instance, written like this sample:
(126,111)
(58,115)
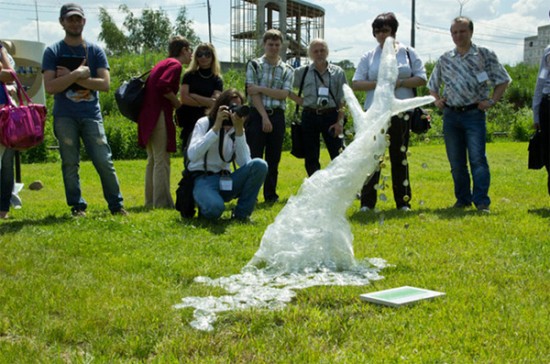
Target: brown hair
(273,34)
(224,99)
(177,43)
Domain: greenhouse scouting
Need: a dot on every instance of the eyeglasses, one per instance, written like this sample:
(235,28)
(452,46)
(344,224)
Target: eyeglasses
(206,54)
(382,30)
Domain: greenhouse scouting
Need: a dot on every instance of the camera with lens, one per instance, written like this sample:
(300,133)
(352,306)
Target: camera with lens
(322,101)
(241,111)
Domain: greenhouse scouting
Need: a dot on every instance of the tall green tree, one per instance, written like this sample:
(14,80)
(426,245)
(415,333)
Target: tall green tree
(115,41)
(184,27)
(148,33)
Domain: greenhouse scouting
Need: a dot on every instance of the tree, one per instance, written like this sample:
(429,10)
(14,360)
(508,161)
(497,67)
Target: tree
(345,64)
(115,40)
(149,33)
(184,27)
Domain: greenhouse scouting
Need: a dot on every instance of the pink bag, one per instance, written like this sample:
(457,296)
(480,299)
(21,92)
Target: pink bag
(21,126)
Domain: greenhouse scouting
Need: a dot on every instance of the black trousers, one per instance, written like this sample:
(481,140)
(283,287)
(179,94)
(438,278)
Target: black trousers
(270,143)
(399,137)
(313,126)
(544,118)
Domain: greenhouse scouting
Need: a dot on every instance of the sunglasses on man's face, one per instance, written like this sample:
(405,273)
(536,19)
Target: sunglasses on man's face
(206,54)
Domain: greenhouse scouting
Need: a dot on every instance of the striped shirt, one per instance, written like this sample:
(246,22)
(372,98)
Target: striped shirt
(543,84)
(468,79)
(279,76)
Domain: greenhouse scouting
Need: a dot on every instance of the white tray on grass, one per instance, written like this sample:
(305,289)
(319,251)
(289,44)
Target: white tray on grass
(396,297)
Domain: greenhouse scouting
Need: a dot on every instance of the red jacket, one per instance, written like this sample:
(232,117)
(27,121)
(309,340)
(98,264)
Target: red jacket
(164,77)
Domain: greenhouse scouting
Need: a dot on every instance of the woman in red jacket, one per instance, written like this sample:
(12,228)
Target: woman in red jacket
(156,129)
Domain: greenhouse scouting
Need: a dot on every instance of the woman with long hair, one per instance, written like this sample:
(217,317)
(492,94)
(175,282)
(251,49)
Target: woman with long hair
(201,85)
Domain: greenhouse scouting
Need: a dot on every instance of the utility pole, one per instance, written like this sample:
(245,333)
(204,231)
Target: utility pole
(209,22)
(413,22)
(462,3)
(37,21)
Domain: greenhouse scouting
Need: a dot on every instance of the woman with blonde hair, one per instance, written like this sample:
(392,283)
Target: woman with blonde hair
(200,87)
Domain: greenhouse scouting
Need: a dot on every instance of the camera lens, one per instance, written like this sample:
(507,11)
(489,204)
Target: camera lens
(240,110)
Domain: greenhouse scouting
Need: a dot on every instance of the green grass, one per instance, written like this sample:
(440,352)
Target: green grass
(101,288)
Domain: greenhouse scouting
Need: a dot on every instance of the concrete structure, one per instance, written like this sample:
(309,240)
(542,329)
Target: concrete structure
(298,20)
(534,45)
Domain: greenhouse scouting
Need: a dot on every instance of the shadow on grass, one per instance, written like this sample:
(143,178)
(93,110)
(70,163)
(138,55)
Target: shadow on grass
(449,213)
(541,212)
(12,226)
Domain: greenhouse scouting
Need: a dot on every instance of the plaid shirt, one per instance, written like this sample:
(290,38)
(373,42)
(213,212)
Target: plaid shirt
(279,76)
(467,79)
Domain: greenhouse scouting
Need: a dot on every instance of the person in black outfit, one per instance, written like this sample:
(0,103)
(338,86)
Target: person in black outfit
(201,85)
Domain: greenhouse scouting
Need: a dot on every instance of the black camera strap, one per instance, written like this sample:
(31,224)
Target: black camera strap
(220,146)
(410,63)
(323,82)
(297,110)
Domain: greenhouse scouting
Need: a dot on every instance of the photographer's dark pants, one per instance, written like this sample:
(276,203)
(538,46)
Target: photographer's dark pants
(399,137)
(271,143)
(313,126)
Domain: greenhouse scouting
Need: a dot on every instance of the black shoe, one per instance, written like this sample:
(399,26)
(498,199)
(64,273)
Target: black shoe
(461,205)
(242,219)
(483,208)
(271,199)
(120,212)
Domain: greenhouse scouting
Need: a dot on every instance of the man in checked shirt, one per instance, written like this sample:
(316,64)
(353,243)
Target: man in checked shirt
(466,75)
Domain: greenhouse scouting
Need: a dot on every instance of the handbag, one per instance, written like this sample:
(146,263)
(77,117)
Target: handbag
(129,96)
(297,139)
(22,125)
(536,151)
(420,121)
(296,134)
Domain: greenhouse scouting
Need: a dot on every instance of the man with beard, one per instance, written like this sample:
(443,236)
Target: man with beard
(74,72)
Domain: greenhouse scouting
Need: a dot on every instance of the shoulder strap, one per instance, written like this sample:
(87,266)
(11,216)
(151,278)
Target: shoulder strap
(256,66)
(301,87)
(410,63)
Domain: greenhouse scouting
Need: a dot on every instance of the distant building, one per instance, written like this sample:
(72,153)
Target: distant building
(533,46)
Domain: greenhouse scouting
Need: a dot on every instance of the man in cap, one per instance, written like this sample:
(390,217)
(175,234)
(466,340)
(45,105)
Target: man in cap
(74,72)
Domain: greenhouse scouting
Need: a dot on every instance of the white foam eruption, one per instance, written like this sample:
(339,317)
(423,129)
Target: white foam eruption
(310,242)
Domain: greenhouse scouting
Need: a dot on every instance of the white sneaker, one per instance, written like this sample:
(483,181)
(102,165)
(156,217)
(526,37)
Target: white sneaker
(364,209)
(405,208)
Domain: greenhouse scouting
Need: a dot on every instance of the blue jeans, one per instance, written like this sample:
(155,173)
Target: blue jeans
(247,181)
(465,134)
(68,132)
(6,179)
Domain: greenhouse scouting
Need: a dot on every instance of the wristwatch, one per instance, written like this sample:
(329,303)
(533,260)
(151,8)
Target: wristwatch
(491,102)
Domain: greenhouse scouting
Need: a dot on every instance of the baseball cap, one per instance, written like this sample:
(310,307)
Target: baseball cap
(71,9)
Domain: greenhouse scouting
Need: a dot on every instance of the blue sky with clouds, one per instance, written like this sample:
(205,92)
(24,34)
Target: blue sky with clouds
(499,24)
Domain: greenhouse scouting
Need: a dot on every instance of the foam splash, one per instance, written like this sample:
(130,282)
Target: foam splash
(310,243)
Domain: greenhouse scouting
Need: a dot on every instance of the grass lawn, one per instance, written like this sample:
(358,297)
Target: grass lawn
(101,288)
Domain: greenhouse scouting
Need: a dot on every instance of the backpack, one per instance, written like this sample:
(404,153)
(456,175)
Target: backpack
(129,97)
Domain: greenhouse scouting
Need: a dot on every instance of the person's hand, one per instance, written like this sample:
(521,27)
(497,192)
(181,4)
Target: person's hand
(61,71)
(440,103)
(336,130)
(83,72)
(267,127)
(222,114)
(253,89)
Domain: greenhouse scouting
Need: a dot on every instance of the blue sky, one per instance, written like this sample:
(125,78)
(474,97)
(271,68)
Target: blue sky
(499,24)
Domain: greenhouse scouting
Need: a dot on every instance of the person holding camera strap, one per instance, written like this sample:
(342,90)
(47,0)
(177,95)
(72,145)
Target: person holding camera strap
(210,154)
(323,101)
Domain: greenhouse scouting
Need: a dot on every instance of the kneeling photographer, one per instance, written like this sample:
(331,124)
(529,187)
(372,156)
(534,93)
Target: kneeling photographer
(217,140)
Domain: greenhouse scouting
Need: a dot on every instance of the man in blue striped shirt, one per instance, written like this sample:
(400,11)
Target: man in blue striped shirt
(461,82)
